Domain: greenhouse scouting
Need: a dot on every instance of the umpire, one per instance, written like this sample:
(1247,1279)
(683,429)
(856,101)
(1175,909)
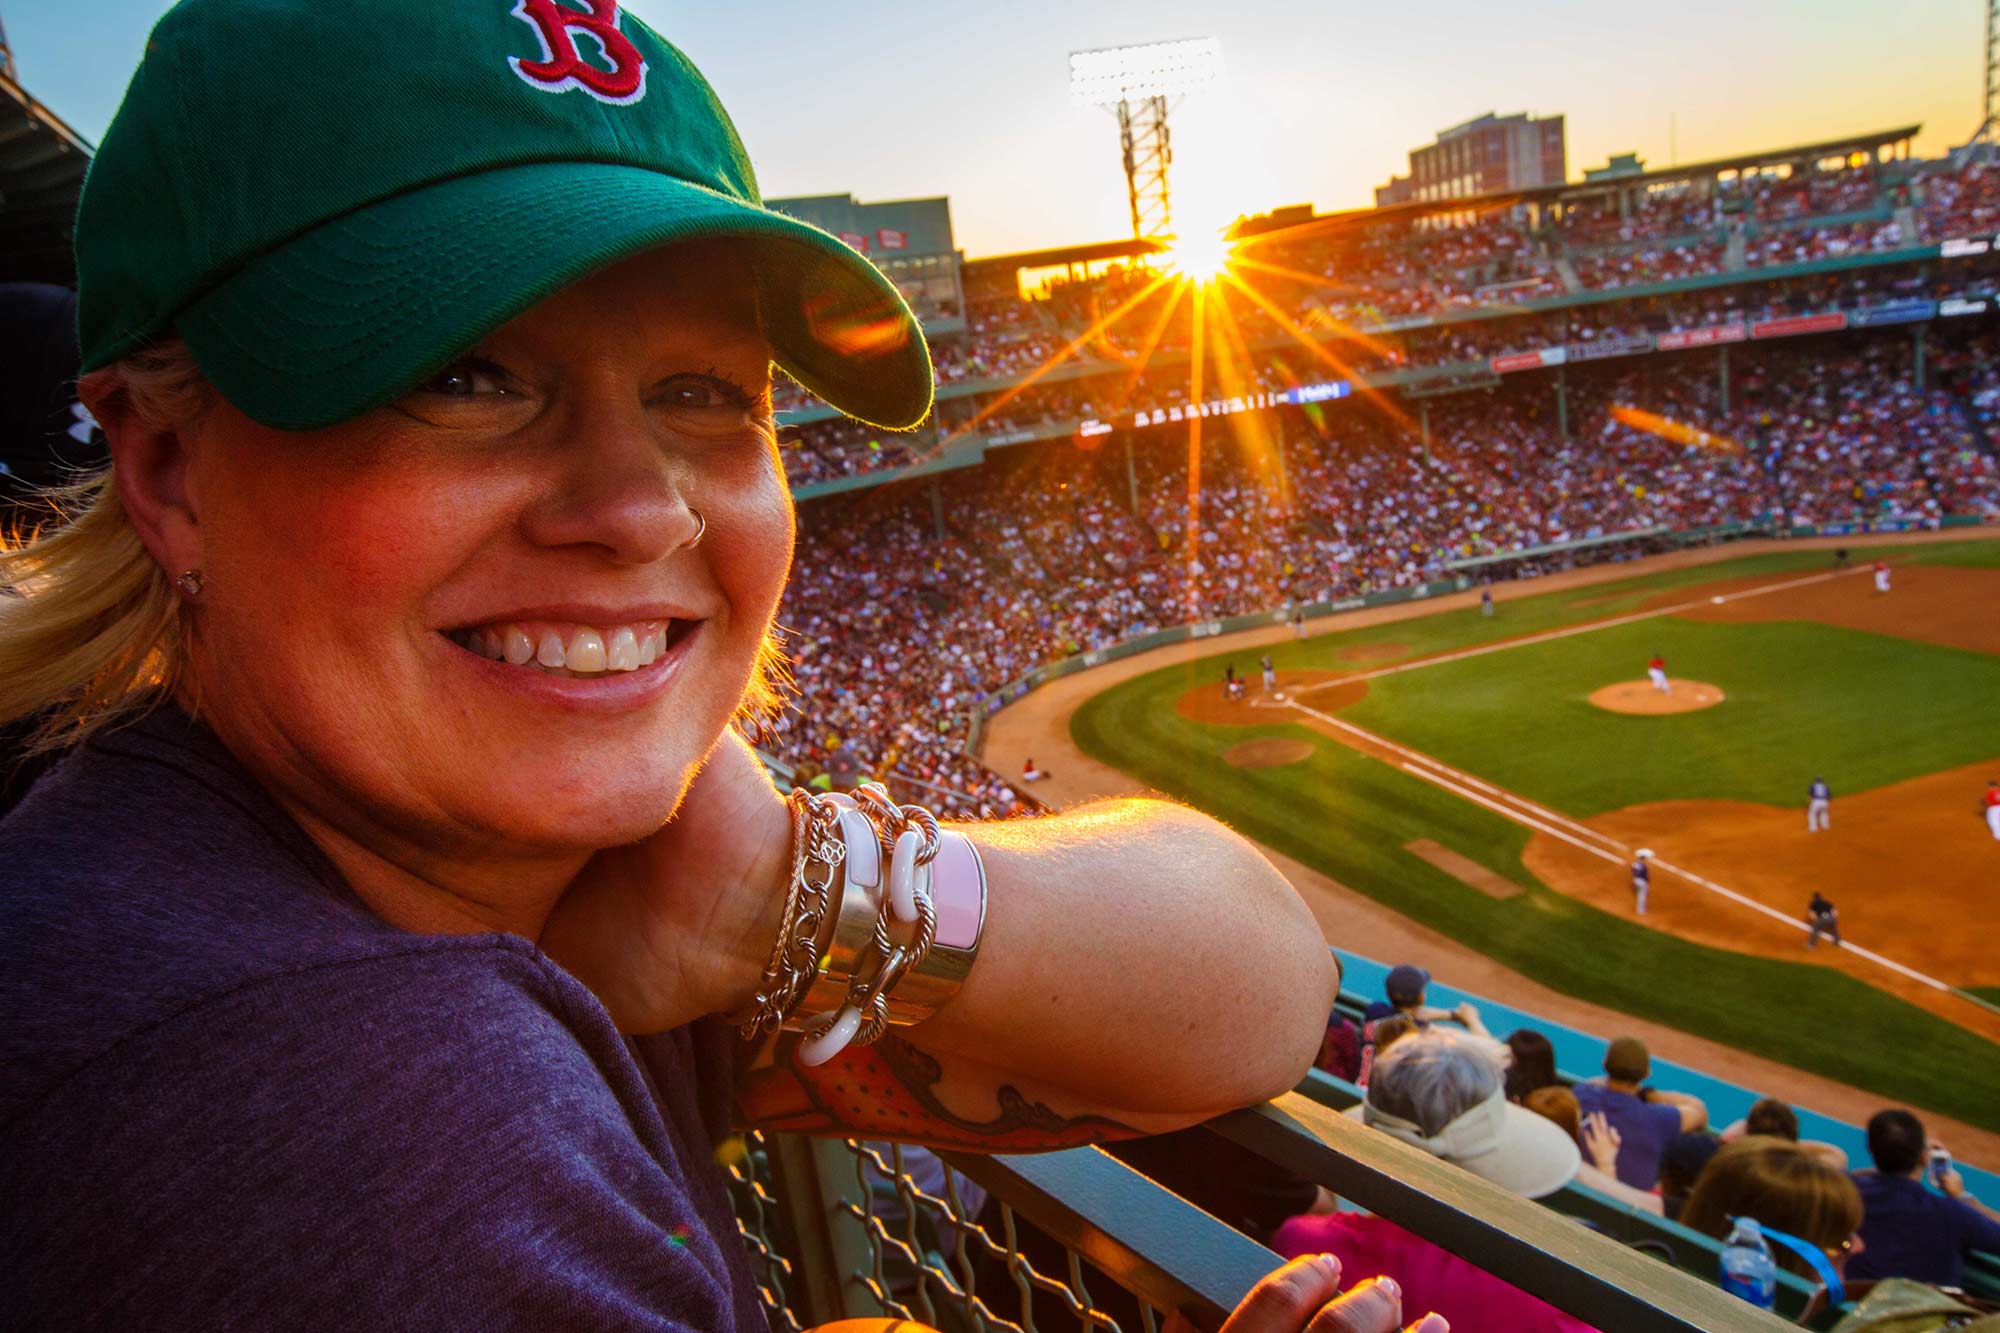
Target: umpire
(1825,919)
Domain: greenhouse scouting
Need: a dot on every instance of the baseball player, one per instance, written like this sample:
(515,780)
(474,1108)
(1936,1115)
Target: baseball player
(1232,684)
(1486,601)
(1881,576)
(1825,919)
(1819,804)
(1642,877)
(1298,624)
(1270,673)
(1657,669)
(1991,801)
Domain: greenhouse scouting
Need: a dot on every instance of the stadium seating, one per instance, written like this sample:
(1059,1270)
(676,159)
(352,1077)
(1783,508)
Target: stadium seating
(900,630)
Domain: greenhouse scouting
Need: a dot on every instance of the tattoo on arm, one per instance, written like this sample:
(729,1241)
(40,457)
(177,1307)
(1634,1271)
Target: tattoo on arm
(888,1091)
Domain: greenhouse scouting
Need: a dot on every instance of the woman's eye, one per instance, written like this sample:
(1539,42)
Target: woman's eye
(464,379)
(694,394)
(703,393)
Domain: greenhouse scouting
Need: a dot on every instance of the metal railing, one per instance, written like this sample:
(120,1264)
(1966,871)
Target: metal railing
(1078,1239)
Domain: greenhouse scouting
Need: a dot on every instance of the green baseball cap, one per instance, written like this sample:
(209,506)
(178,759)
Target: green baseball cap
(331,201)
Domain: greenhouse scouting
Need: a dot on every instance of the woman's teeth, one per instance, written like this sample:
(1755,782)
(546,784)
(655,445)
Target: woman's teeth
(568,650)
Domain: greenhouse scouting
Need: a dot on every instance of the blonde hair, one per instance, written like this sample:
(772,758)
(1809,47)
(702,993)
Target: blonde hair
(90,628)
(1784,1186)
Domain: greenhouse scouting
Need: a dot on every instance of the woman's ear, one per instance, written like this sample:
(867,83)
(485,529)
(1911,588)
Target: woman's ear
(150,468)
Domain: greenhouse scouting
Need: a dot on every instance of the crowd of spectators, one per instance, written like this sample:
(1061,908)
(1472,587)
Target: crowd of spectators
(1361,273)
(1434,1078)
(1117,390)
(902,628)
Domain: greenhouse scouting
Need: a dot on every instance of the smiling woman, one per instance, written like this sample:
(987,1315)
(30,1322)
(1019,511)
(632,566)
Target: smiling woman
(404,922)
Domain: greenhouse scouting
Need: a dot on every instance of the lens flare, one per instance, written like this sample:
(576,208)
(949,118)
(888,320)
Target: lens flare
(1199,258)
(1676,432)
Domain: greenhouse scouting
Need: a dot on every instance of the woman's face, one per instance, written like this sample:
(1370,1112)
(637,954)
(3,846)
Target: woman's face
(386,600)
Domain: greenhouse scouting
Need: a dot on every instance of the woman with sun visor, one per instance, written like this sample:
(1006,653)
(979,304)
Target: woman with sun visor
(406,923)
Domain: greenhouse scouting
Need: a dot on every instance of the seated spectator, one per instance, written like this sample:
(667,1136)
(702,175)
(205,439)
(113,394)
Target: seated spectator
(1378,1037)
(1784,1187)
(1776,1119)
(1533,1065)
(1598,1141)
(1340,1049)
(1912,1231)
(1644,1117)
(1405,987)
(1444,1092)
(1681,1163)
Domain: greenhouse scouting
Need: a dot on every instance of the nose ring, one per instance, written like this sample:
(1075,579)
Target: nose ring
(700,529)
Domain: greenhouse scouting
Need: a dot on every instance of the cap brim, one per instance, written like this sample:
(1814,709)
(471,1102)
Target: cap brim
(361,309)
(1533,1158)
(1526,1154)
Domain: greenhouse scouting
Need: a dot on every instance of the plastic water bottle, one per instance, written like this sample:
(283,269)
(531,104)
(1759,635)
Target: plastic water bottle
(1748,1271)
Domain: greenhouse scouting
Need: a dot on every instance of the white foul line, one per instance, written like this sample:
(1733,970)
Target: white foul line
(1561,826)
(1569,631)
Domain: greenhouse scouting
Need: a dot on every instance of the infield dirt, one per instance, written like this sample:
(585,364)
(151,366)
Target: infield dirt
(1639,697)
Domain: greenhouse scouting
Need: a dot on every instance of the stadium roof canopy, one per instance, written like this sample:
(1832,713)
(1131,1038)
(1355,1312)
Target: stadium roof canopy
(42,162)
(1546,194)
(1061,255)
(1805,152)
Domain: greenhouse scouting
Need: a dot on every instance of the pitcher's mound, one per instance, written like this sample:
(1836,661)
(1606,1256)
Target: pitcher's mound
(1270,752)
(1639,696)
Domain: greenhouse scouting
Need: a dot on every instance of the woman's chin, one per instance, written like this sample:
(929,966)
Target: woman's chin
(593,817)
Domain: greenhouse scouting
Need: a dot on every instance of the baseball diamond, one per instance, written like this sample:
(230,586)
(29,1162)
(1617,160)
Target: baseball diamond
(1441,729)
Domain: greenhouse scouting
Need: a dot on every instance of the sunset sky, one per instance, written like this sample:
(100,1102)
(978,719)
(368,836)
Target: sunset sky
(1320,102)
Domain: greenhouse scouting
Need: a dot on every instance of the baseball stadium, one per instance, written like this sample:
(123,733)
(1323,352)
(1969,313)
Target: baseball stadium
(1583,586)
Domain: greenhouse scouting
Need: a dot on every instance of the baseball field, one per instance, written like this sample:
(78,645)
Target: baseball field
(1491,778)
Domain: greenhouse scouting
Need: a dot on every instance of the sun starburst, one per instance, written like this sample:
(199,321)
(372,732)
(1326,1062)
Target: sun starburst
(1199,257)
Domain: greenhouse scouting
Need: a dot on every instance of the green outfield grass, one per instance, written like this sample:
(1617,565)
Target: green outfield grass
(1971,554)
(1350,816)
(1800,699)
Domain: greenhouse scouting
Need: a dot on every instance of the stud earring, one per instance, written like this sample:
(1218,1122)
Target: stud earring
(189,583)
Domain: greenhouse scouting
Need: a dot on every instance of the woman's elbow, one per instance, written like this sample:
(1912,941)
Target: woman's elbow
(1299,1028)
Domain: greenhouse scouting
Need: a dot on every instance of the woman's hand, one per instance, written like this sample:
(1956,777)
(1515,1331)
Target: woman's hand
(1304,1297)
(681,924)
(1600,1142)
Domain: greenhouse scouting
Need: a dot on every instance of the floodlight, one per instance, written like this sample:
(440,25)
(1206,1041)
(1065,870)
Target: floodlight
(1137,82)
(1115,74)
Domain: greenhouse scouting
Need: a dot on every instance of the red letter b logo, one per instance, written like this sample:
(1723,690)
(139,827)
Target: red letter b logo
(563,67)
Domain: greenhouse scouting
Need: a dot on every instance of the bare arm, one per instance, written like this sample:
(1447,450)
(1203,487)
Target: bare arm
(1954,1185)
(1142,968)
(1694,1111)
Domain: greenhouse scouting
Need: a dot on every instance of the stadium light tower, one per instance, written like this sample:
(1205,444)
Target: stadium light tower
(1989,121)
(1140,84)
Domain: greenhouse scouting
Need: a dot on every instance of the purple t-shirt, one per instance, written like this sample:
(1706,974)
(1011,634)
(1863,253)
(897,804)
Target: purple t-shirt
(231,1096)
(1644,1130)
